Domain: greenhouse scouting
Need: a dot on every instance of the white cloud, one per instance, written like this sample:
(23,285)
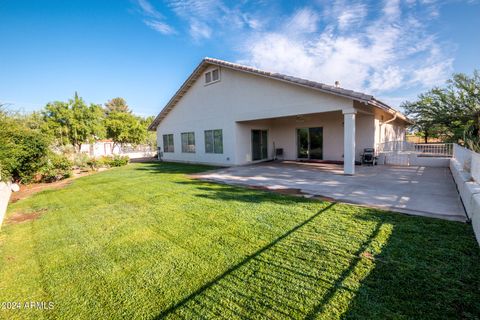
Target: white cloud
(159,26)
(253,22)
(387,79)
(196,8)
(351,15)
(155,18)
(273,50)
(148,9)
(199,30)
(391,9)
(201,15)
(432,74)
(376,47)
(303,21)
(204,17)
(345,14)
(391,52)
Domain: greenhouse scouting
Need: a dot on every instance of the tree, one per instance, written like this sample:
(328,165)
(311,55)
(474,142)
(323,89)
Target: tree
(452,113)
(151,136)
(429,115)
(74,122)
(123,127)
(116,105)
(463,95)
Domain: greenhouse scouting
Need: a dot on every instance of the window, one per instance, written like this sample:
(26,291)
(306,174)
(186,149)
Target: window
(212,76)
(188,142)
(214,141)
(168,143)
(215,75)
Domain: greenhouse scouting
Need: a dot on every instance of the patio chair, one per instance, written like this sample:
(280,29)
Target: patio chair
(278,153)
(368,157)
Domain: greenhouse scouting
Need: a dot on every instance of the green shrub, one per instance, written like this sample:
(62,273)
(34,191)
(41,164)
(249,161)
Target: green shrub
(23,151)
(106,162)
(94,163)
(119,161)
(115,161)
(81,160)
(57,167)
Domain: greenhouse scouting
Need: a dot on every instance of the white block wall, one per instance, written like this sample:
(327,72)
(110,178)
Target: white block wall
(5,192)
(465,167)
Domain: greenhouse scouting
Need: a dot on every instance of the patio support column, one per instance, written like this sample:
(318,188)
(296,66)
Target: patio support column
(349,142)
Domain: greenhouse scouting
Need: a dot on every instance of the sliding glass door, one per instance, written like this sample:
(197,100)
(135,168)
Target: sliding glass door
(310,143)
(259,145)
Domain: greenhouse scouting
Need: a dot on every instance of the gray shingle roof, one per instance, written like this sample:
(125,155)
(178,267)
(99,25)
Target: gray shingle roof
(354,95)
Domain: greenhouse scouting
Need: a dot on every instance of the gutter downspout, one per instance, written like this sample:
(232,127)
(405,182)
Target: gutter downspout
(386,122)
(393,119)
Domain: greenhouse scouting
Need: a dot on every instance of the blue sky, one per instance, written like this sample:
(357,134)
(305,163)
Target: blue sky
(143,50)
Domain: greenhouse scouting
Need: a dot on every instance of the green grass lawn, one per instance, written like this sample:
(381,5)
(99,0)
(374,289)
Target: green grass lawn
(145,241)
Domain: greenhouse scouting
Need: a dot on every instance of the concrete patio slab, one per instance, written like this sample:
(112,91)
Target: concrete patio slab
(424,191)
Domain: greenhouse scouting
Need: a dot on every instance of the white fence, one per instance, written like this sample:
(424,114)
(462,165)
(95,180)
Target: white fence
(465,167)
(105,148)
(404,153)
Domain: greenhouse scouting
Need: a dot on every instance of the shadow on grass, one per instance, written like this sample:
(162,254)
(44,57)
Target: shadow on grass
(228,280)
(392,267)
(173,168)
(225,192)
(214,190)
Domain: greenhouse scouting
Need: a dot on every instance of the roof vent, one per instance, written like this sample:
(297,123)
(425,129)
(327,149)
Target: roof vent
(337,84)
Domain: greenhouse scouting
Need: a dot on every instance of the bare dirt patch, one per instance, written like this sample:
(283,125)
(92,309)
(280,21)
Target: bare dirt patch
(22,216)
(30,189)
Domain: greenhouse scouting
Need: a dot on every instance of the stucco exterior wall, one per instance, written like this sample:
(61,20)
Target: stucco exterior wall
(253,97)
(235,98)
(385,132)
(284,134)
(364,133)
(244,142)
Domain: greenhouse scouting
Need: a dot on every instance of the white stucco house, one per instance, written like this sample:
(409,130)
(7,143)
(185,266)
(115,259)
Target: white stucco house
(106,147)
(100,148)
(229,114)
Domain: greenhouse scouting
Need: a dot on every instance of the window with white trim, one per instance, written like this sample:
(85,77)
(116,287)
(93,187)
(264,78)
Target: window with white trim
(212,76)
(168,143)
(214,141)
(188,142)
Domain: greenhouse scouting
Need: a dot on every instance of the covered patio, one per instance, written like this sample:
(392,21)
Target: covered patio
(338,136)
(415,190)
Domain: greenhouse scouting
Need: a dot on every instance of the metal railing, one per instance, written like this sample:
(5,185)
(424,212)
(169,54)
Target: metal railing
(421,149)
(434,149)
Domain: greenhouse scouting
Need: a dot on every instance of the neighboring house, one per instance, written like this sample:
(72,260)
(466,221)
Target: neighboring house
(229,114)
(100,148)
(105,148)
